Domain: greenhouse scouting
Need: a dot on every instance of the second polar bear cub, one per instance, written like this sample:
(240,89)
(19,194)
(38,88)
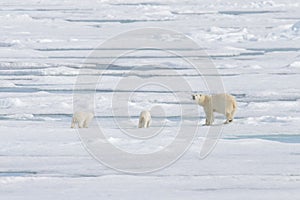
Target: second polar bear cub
(145,119)
(220,103)
(83,119)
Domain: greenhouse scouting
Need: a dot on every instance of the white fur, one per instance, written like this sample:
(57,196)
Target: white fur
(220,103)
(83,119)
(145,119)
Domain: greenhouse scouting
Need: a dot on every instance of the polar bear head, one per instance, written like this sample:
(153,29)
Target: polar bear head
(199,98)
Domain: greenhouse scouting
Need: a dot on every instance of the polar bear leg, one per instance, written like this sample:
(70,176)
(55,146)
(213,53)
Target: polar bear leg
(145,122)
(212,119)
(230,114)
(228,117)
(206,122)
(209,117)
(73,123)
(233,110)
(80,124)
(148,124)
(141,122)
(87,122)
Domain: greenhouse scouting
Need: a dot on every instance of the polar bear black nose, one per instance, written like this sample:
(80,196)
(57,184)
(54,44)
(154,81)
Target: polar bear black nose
(193,96)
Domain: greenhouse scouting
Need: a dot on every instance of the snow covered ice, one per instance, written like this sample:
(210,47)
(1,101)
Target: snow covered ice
(254,45)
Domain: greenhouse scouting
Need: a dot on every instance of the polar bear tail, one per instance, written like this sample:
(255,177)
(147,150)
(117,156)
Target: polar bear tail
(73,122)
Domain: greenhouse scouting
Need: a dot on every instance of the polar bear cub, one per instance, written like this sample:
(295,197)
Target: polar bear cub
(220,103)
(145,119)
(83,119)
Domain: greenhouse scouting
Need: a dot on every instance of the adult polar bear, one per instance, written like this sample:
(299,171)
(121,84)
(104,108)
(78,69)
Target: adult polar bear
(220,103)
(83,119)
